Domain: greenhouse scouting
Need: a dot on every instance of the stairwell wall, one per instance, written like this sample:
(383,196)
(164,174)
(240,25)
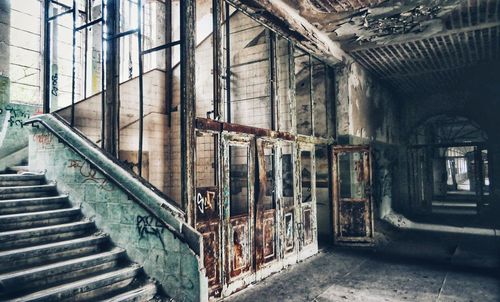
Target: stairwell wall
(163,255)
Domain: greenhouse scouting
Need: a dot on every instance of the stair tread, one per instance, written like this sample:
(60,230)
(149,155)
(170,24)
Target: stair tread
(113,252)
(70,211)
(150,286)
(55,254)
(46,228)
(454,204)
(21,177)
(57,244)
(130,270)
(27,188)
(81,222)
(32,199)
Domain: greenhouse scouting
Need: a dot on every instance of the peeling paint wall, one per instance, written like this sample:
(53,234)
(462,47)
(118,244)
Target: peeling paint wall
(368,113)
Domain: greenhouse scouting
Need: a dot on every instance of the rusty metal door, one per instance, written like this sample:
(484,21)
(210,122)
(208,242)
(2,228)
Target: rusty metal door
(238,184)
(307,196)
(265,219)
(353,209)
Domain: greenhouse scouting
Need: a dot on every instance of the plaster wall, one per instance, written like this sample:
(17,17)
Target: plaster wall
(368,113)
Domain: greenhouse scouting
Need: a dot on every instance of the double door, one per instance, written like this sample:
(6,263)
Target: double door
(267,210)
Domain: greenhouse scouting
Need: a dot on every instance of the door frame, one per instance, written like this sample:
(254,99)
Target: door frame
(311,248)
(232,283)
(370,225)
(211,226)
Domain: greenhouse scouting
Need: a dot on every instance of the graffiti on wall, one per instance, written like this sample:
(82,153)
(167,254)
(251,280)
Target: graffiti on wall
(89,173)
(44,140)
(149,225)
(16,116)
(206,203)
(54,90)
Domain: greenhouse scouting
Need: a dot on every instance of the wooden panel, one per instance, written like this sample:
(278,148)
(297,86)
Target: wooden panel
(208,224)
(353,218)
(269,238)
(307,224)
(240,246)
(289,231)
(211,247)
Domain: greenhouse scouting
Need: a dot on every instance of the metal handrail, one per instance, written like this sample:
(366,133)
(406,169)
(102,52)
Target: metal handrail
(175,222)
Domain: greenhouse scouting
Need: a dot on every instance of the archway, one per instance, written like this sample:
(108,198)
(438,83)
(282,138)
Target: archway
(448,166)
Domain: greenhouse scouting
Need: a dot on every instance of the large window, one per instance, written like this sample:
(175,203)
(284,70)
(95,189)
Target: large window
(25,51)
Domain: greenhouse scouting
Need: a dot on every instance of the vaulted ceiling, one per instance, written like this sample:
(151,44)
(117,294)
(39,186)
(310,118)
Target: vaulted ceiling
(417,46)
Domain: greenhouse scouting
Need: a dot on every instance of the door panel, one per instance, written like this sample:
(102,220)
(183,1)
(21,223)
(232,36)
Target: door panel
(265,242)
(239,252)
(307,195)
(352,195)
(288,197)
(240,245)
(208,219)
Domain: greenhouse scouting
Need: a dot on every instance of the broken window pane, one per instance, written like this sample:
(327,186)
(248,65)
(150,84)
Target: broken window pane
(284,84)
(250,100)
(204,60)
(353,174)
(306,175)
(303,92)
(319,97)
(287,174)
(238,174)
(269,159)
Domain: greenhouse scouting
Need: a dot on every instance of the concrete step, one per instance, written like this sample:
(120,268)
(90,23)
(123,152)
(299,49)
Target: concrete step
(85,289)
(36,204)
(19,192)
(51,252)
(454,211)
(38,219)
(41,235)
(10,180)
(18,169)
(55,273)
(454,204)
(142,293)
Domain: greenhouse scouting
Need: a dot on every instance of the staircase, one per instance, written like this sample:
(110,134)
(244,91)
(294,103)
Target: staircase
(50,252)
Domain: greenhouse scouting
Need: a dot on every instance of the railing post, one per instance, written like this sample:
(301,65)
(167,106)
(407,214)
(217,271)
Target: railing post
(188,97)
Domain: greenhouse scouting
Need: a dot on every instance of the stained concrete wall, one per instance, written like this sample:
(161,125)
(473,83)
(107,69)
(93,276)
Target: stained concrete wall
(161,253)
(368,113)
(14,134)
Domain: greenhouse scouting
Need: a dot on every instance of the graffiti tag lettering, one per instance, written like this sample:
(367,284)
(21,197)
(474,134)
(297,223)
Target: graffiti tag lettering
(44,140)
(89,173)
(207,202)
(149,225)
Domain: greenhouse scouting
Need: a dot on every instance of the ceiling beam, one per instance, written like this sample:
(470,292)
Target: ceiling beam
(279,16)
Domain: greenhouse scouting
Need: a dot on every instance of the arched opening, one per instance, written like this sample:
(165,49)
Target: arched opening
(448,168)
